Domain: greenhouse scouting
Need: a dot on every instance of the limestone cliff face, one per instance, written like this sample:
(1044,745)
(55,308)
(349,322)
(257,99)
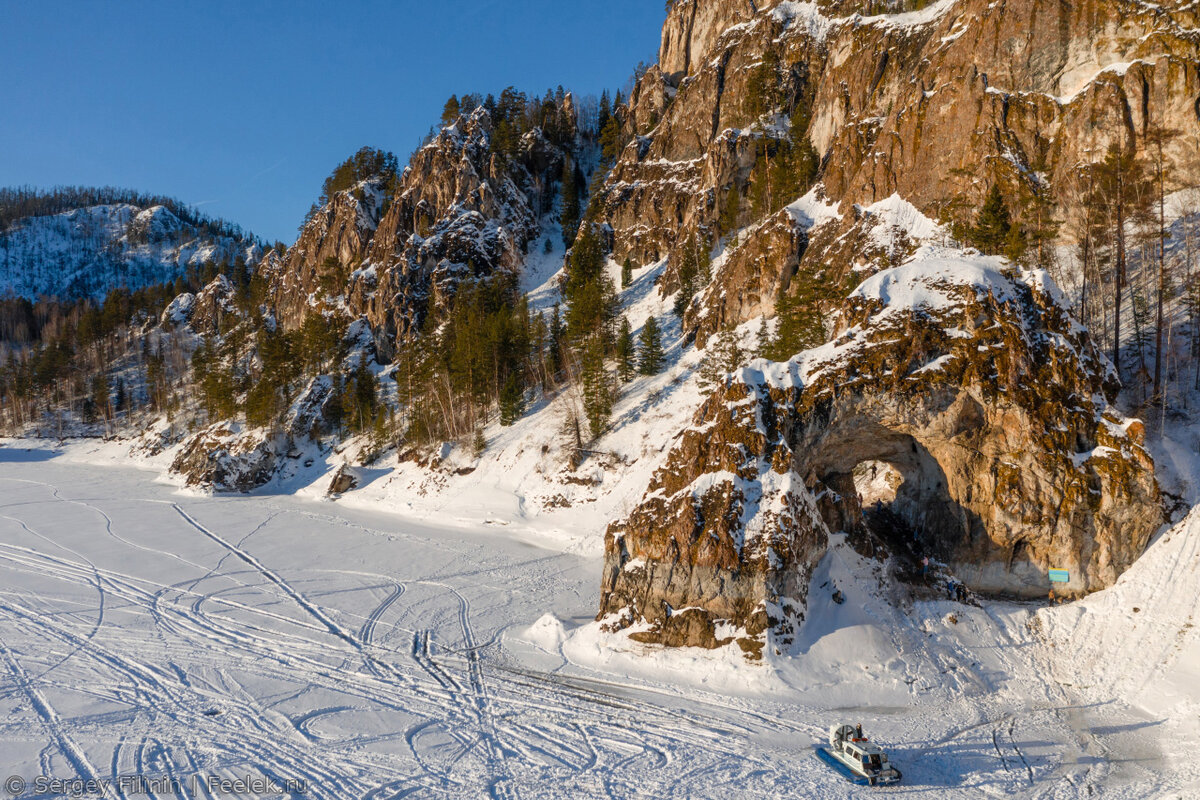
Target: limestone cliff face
(722,546)
(313,273)
(691,31)
(971,381)
(392,254)
(968,92)
(460,211)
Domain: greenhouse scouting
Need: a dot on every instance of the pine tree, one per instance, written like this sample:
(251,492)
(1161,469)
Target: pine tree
(610,140)
(762,88)
(100,395)
(512,400)
(1015,245)
(650,350)
(1122,193)
(762,340)
(451,110)
(591,299)
(689,275)
(801,162)
(599,392)
(800,323)
(361,397)
(626,352)
(626,273)
(556,342)
(605,110)
(722,357)
(992,226)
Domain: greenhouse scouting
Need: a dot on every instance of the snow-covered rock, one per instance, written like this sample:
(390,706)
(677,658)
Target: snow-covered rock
(967,377)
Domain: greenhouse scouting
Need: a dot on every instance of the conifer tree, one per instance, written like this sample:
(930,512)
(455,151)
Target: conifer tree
(361,397)
(604,112)
(1015,245)
(626,273)
(451,110)
(626,351)
(762,340)
(762,89)
(1121,191)
(591,299)
(993,225)
(610,140)
(100,395)
(694,271)
(512,400)
(556,341)
(599,392)
(800,324)
(650,350)
(262,404)
(722,357)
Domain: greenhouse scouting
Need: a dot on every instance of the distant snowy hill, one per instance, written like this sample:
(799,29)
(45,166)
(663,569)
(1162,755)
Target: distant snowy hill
(89,250)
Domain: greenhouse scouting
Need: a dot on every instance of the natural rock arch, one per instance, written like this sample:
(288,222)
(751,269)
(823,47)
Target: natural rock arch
(972,380)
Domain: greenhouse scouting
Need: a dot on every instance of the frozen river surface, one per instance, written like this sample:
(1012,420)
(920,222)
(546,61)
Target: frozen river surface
(149,634)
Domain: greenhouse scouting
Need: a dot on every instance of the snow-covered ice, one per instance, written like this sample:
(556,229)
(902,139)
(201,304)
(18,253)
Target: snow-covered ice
(152,633)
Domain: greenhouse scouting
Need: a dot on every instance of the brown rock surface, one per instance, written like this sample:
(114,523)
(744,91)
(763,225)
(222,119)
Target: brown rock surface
(935,104)
(970,381)
(458,211)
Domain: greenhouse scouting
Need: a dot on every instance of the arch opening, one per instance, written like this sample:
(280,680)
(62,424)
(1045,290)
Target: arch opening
(885,486)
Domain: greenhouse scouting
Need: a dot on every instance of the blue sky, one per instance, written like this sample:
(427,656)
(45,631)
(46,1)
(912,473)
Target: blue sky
(243,108)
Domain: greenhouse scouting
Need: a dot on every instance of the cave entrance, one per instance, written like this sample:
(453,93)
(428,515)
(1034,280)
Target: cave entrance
(890,488)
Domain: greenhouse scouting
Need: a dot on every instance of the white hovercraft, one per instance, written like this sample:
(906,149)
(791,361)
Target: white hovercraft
(854,756)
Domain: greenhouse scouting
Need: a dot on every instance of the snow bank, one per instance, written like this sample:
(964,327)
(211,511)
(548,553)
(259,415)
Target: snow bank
(1138,639)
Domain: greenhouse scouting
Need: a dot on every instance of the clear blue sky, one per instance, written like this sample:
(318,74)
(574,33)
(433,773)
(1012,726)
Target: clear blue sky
(244,107)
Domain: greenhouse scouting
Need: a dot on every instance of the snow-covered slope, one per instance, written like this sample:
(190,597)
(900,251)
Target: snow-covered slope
(86,252)
(1138,638)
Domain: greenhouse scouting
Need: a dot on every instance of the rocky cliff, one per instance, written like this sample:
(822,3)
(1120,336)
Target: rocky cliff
(393,253)
(971,381)
(972,92)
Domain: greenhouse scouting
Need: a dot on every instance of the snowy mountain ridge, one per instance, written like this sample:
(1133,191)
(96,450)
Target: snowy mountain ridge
(86,252)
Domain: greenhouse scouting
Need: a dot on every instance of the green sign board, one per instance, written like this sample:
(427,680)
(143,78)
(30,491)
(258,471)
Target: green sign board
(1060,576)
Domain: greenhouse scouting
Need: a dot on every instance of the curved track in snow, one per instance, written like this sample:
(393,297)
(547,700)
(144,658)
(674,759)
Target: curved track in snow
(148,634)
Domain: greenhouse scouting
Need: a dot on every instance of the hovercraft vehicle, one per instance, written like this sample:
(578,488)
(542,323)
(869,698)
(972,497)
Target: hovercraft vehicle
(853,755)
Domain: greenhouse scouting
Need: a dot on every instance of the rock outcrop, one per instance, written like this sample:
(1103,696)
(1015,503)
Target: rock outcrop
(213,309)
(229,457)
(971,381)
(970,91)
(392,254)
